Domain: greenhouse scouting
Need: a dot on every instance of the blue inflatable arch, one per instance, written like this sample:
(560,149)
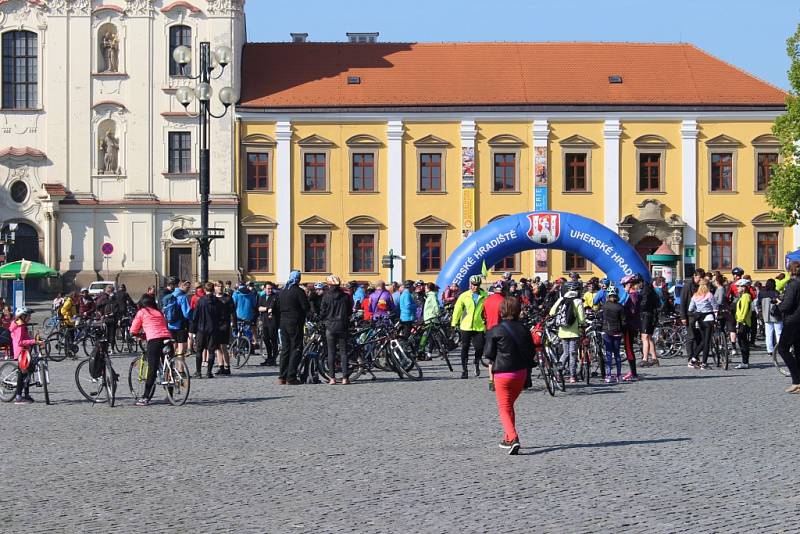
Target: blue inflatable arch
(542,229)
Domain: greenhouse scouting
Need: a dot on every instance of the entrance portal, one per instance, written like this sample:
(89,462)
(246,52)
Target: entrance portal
(646,246)
(26,244)
(181,263)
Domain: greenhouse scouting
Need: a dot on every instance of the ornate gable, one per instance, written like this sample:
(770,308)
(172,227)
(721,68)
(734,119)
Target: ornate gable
(315,141)
(261,221)
(767,141)
(651,141)
(577,141)
(316,222)
(723,220)
(765,219)
(259,139)
(432,221)
(431,141)
(506,140)
(724,141)
(364,221)
(364,141)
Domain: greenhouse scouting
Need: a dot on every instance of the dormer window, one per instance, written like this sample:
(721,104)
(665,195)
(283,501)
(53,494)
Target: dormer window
(362,38)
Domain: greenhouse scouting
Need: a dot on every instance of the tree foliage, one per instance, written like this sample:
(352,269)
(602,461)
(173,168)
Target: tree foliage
(783,191)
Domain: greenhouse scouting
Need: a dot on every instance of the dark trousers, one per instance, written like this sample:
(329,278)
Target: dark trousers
(337,340)
(111,333)
(743,339)
(155,348)
(627,339)
(23,385)
(612,346)
(706,331)
(693,338)
(270,340)
(476,339)
(291,350)
(790,339)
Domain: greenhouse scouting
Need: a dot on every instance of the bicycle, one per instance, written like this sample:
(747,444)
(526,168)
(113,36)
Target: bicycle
(9,371)
(172,375)
(241,344)
(100,388)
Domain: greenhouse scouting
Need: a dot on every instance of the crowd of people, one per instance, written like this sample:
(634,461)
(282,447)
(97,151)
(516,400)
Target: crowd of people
(200,322)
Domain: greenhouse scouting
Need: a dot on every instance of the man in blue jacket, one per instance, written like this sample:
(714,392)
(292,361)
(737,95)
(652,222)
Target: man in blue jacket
(408,307)
(176,309)
(246,302)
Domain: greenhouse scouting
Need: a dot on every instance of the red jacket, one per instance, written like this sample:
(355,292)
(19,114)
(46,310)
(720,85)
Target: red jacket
(491,308)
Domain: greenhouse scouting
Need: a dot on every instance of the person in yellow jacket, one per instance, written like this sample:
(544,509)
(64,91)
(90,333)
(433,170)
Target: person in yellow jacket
(469,317)
(570,334)
(69,309)
(744,318)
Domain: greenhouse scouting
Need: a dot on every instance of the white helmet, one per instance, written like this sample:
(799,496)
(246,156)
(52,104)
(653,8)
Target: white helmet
(21,311)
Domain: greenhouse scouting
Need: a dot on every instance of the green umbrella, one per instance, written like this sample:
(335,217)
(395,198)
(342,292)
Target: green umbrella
(26,269)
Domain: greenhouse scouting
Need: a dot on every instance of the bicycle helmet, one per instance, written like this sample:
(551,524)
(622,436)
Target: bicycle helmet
(743,282)
(604,282)
(612,291)
(499,286)
(19,312)
(334,280)
(574,276)
(628,279)
(737,271)
(319,285)
(419,283)
(506,275)
(476,279)
(572,285)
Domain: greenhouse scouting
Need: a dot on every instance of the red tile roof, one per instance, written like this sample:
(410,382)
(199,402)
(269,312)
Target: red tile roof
(22,152)
(277,75)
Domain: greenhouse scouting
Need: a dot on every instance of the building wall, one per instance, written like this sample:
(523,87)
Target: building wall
(339,204)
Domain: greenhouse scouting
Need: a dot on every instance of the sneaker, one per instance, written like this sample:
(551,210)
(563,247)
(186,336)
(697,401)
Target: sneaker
(573,380)
(227,371)
(197,374)
(506,444)
(464,374)
(264,363)
(477,370)
(618,378)
(220,371)
(630,377)
(609,379)
(733,352)
(293,382)
(19,399)
(703,366)
(209,375)
(142,402)
(28,398)
(514,450)
(742,366)
(281,381)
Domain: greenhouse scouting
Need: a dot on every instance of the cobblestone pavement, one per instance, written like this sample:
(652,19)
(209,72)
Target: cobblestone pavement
(681,451)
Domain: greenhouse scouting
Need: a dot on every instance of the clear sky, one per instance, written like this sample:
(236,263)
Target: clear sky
(751,34)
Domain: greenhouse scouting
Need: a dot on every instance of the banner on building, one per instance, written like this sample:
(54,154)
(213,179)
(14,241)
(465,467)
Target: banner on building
(540,197)
(467,191)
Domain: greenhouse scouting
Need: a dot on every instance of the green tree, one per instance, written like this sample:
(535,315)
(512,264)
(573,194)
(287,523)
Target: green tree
(783,192)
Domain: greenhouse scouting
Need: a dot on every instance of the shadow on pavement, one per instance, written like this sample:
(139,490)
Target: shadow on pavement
(215,402)
(602,444)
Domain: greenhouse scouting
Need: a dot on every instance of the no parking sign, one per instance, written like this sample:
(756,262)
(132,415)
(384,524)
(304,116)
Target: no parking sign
(107,249)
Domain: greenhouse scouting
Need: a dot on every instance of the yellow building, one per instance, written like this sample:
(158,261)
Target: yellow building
(348,151)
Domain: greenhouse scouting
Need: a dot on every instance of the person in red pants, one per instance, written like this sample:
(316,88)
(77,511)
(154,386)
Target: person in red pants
(509,348)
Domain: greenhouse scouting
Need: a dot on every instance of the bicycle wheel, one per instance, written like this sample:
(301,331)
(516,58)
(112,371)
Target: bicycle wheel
(546,373)
(403,362)
(88,344)
(55,347)
(779,363)
(558,374)
(726,352)
(44,377)
(111,382)
(177,383)
(440,344)
(93,389)
(587,365)
(240,351)
(137,376)
(49,325)
(8,381)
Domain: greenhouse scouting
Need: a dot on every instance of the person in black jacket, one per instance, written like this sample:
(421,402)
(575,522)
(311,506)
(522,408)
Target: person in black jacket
(207,313)
(509,348)
(790,337)
(689,288)
(227,319)
(613,328)
(648,317)
(292,309)
(335,310)
(268,310)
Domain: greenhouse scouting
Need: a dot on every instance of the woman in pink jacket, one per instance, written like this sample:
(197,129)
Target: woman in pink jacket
(22,340)
(150,319)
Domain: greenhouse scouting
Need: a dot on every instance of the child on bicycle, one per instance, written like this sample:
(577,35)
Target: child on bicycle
(21,341)
(150,320)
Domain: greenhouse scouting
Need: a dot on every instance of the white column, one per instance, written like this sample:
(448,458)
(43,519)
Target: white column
(541,134)
(612,130)
(689,133)
(469,217)
(283,192)
(395,193)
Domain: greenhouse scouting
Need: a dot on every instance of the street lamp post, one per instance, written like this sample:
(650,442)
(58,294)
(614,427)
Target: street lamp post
(209,61)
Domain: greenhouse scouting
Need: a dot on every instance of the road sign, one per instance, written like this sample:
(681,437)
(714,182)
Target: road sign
(213,233)
(387,261)
(107,249)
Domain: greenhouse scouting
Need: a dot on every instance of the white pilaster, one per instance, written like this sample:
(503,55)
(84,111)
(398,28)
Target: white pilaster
(612,131)
(283,192)
(394,134)
(796,236)
(689,131)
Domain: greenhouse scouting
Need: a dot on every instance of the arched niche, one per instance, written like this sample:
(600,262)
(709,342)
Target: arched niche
(108,148)
(108,48)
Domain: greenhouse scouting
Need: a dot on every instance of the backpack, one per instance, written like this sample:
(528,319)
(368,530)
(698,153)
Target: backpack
(565,315)
(171,309)
(97,361)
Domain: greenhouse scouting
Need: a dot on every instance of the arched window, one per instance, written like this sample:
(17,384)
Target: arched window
(20,70)
(179,35)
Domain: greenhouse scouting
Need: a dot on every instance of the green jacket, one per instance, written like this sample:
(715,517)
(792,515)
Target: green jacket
(780,284)
(466,315)
(431,310)
(574,330)
(743,308)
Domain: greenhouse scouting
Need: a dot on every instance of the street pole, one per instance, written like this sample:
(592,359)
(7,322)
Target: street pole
(391,266)
(205,161)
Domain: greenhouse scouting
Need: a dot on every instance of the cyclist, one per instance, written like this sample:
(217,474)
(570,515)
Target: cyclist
(773,325)
(267,307)
(613,328)
(227,318)
(292,310)
(335,311)
(315,299)
(69,309)
(630,301)
(789,342)
(468,316)
(493,302)
(207,316)
(21,340)
(150,320)
(450,295)
(408,308)
(742,309)
(569,325)
(732,295)
(702,309)
(177,311)
(381,303)
(688,289)
(246,303)
(648,317)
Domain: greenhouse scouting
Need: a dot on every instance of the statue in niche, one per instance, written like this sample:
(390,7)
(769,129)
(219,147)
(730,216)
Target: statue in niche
(109,146)
(111,51)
